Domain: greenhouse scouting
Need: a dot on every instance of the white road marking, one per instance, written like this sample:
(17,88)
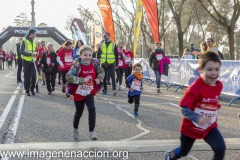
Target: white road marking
(12,131)
(4,92)
(175,105)
(6,110)
(7,75)
(15,92)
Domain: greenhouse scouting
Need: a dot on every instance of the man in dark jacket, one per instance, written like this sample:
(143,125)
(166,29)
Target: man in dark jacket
(19,61)
(50,67)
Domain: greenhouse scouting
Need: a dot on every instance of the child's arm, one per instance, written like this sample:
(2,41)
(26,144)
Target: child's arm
(72,74)
(128,82)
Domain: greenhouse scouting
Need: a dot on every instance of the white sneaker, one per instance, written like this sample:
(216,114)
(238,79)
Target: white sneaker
(120,88)
(92,136)
(114,93)
(75,134)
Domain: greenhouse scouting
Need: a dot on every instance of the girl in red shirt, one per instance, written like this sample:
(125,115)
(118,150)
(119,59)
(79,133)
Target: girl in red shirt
(129,59)
(200,106)
(65,61)
(84,75)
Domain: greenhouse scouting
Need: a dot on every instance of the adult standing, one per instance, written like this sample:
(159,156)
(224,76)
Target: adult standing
(155,60)
(19,61)
(28,50)
(211,46)
(65,61)
(121,64)
(108,55)
(2,57)
(50,67)
(129,59)
(76,48)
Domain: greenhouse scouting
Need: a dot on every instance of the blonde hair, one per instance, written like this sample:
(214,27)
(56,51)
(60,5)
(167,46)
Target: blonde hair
(85,48)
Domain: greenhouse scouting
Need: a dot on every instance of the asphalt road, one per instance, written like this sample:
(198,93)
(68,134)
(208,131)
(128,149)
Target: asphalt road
(48,118)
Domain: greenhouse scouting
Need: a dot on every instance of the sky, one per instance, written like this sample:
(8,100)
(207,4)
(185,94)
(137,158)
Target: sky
(52,12)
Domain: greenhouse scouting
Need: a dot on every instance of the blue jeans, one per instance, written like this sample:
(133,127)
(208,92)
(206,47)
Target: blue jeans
(214,139)
(158,78)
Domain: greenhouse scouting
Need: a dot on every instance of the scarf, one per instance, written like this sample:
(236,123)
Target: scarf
(138,75)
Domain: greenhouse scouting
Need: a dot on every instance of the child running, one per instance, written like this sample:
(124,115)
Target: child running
(200,106)
(85,75)
(134,84)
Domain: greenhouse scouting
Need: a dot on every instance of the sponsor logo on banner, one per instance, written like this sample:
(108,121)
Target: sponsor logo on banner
(105,7)
(98,35)
(19,31)
(97,22)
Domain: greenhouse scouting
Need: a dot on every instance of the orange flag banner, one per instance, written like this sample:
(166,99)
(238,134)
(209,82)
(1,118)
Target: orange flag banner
(150,7)
(106,11)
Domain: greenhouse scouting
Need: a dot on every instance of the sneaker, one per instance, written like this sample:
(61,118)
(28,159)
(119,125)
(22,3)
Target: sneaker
(67,95)
(43,83)
(135,114)
(167,156)
(92,136)
(114,93)
(75,134)
(37,90)
(108,83)
(104,91)
(49,93)
(59,83)
(64,90)
(33,93)
(53,89)
(27,92)
(120,88)
(158,90)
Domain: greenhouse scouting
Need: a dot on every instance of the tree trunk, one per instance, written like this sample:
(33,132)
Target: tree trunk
(230,33)
(180,42)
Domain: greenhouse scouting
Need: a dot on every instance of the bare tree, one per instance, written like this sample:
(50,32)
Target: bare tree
(230,10)
(177,11)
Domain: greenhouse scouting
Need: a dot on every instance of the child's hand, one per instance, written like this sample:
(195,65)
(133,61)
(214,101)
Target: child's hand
(97,81)
(203,121)
(86,80)
(131,89)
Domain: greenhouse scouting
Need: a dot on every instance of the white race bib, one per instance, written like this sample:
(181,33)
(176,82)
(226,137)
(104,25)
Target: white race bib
(120,63)
(68,58)
(128,59)
(1,55)
(136,85)
(48,60)
(9,59)
(159,56)
(211,115)
(84,89)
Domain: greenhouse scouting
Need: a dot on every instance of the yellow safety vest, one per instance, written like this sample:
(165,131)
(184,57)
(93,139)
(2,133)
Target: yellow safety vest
(30,48)
(16,56)
(107,53)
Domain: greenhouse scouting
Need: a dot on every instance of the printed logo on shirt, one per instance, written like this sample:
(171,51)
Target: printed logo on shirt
(88,72)
(210,100)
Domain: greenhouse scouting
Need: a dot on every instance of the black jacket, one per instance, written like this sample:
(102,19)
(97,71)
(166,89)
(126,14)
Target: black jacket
(18,45)
(153,62)
(53,57)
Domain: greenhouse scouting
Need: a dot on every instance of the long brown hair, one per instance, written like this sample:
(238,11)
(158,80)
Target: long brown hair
(76,43)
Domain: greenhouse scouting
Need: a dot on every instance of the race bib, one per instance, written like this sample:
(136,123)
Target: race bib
(120,63)
(128,59)
(48,60)
(1,56)
(84,89)
(68,58)
(211,115)
(9,59)
(159,56)
(136,85)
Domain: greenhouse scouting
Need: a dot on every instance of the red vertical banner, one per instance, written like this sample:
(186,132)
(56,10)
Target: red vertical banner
(150,7)
(106,11)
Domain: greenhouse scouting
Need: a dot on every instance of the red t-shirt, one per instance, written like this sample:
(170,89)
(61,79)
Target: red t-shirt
(204,100)
(83,90)
(40,52)
(121,61)
(128,61)
(66,58)
(2,54)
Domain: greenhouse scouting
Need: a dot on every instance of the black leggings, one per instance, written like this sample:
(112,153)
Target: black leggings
(214,139)
(50,80)
(119,72)
(89,101)
(128,71)
(63,75)
(136,99)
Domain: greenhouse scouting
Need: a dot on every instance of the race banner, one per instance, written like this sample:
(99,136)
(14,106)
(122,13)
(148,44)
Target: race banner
(139,12)
(185,72)
(78,25)
(97,30)
(106,12)
(150,7)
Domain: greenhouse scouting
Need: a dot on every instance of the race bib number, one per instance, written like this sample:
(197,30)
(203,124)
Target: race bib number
(84,89)
(211,115)
(128,59)
(120,63)
(136,85)
(159,56)
(68,58)
(1,56)
(48,61)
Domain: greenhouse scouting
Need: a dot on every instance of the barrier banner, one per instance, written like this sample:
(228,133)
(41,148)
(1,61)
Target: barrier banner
(185,72)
